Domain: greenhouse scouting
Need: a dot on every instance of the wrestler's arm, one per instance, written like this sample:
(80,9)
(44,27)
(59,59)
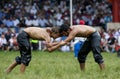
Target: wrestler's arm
(50,44)
(54,43)
(48,41)
(61,43)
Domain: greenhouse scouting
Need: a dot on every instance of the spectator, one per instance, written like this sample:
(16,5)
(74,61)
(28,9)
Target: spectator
(33,10)
(104,47)
(9,22)
(15,21)
(111,43)
(28,21)
(3,29)
(82,22)
(13,45)
(3,42)
(43,22)
(8,34)
(35,21)
(117,33)
(117,47)
(59,22)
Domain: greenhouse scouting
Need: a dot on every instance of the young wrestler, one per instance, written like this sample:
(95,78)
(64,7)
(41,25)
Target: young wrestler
(24,44)
(92,42)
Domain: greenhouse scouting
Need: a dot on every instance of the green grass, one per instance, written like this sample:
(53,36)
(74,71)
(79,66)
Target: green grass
(59,65)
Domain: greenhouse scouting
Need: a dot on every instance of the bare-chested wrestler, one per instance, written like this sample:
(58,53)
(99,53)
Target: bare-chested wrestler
(92,42)
(24,44)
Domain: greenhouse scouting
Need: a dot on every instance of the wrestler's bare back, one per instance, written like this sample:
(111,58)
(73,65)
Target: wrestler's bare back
(37,33)
(82,30)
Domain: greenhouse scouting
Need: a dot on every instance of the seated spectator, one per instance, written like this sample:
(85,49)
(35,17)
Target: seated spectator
(104,47)
(3,29)
(35,21)
(111,43)
(3,42)
(8,34)
(9,22)
(59,22)
(13,45)
(117,47)
(28,21)
(43,22)
(15,21)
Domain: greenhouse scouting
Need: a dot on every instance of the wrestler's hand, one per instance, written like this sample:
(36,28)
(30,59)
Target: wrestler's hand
(49,49)
(48,45)
(62,43)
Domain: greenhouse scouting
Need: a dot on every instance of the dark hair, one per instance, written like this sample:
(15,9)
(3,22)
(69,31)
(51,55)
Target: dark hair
(55,30)
(63,28)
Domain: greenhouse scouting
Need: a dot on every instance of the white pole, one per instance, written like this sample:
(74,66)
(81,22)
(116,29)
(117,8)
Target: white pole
(71,44)
(71,13)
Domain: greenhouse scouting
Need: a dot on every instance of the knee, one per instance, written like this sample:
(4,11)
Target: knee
(98,59)
(26,60)
(81,58)
(18,60)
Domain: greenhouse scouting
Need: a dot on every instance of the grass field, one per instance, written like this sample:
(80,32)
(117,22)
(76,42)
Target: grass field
(58,65)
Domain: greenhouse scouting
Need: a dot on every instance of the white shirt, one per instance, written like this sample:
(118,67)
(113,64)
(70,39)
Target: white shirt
(43,22)
(11,42)
(28,22)
(3,41)
(16,22)
(59,22)
(33,10)
(35,22)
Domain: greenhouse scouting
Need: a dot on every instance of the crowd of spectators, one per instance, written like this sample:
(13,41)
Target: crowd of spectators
(48,13)
(110,41)
(18,14)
